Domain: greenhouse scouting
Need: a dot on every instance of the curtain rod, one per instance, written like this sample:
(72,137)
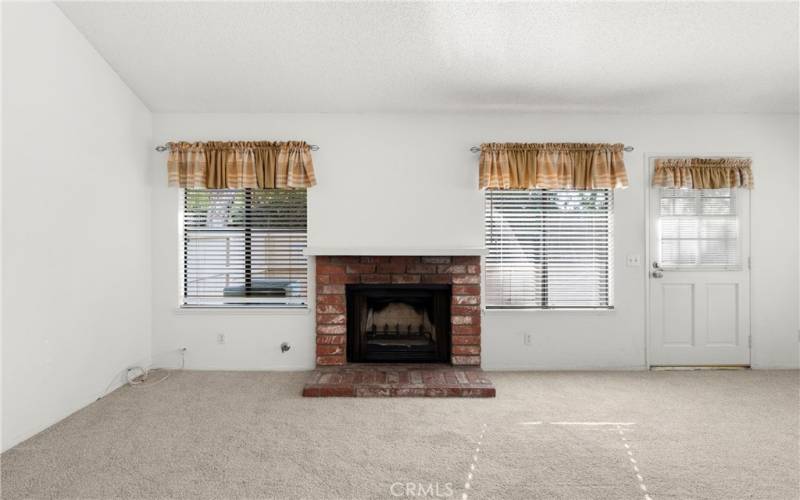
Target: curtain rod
(477,149)
(165,147)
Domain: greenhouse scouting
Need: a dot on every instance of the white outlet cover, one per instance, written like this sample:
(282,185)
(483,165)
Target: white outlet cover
(633,260)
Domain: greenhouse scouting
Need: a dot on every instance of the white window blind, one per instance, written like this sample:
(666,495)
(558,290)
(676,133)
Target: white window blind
(549,249)
(244,247)
(698,228)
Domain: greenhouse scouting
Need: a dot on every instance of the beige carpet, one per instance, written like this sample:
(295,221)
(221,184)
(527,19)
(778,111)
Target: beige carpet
(711,434)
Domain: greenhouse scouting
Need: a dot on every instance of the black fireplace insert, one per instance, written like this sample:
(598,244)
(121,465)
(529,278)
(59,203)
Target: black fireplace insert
(398,323)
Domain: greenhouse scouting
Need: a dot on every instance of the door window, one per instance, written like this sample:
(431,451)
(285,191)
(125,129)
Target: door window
(698,229)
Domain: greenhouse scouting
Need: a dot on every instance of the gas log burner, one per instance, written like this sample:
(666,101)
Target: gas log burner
(398,323)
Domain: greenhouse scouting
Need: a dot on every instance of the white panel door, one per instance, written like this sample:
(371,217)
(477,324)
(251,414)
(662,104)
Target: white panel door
(699,277)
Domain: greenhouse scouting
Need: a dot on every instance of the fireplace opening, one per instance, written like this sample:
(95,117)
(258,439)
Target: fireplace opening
(398,323)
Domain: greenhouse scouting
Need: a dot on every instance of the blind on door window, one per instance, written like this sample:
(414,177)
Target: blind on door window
(244,247)
(549,249)
(698,228)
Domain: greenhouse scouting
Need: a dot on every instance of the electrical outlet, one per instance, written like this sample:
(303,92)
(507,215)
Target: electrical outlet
(527,338)
(633,260)
(220,338)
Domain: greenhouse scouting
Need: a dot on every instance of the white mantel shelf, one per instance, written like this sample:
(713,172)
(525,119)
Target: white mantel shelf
(379,251)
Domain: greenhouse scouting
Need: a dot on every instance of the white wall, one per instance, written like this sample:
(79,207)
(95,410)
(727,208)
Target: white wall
(410,180)
(76,214)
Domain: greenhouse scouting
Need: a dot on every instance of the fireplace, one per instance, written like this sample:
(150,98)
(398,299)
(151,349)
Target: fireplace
(436,295)
(398,323)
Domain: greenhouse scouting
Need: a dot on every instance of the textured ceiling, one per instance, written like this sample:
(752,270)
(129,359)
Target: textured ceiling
(340,57)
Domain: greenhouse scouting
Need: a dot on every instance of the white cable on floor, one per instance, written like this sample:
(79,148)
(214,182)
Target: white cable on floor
(142,376)
(137,375)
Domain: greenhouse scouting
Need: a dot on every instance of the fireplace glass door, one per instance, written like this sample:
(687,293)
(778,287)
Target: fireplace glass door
(398,323)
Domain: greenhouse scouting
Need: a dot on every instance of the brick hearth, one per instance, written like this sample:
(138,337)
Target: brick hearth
(399,380)
(462,272)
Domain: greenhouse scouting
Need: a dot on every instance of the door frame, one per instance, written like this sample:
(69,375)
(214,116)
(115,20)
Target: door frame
(648,158)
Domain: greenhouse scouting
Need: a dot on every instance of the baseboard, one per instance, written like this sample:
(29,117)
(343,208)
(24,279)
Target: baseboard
(534,368)
(289,368)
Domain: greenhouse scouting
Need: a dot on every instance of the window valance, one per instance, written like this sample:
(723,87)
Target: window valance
(242,164)
(552,166)
(703,173)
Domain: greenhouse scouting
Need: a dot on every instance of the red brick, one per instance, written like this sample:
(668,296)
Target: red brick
(330,289)
(346,259)
(371,381)
(331,299)
(335,392)
(409,392)
(466,329)
(329,391)
(375,260)
(343,279)
(360,268)
(330,360)
(466,360)
(452,269)
(330,269)
(466,320)
(407,259)
(328,350)
(458,350)
(331,308)
(466,290)
(461,310)
(331,334)
(333,273)
(331,319)
(441,279)
(435,260)
(466,299)
(421,269)
(405,278)
(392,267)
(375,278)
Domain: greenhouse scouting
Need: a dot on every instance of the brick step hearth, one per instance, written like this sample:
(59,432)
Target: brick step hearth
(399,380)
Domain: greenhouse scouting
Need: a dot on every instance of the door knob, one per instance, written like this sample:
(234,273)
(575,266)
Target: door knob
(657,274)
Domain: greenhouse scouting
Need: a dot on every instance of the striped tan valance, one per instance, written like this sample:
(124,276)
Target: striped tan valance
(552,166)
(237,165)
(703,173)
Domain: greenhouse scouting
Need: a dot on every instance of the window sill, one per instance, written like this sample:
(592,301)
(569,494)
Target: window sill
(529,310)
(277,310)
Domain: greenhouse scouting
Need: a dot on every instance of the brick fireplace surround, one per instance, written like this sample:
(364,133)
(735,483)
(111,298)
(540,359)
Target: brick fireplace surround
(462,272)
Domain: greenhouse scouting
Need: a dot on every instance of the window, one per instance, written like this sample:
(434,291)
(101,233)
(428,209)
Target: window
(244,247)
(549,249)
(698,228)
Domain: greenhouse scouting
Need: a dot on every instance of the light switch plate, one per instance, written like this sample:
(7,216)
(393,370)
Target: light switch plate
(633,260)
